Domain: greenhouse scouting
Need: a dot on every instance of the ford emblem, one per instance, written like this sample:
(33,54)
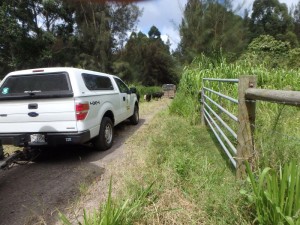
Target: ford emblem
(33,114)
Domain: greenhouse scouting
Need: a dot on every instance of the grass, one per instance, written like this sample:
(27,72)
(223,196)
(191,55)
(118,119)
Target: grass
(277,136)
(186,178)
(188,171)
(114,213)
(276,194)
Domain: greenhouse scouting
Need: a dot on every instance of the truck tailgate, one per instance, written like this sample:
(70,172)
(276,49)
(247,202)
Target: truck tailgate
(38,115)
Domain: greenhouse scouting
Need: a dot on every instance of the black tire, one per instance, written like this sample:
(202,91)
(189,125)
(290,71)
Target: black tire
(134,119)
(105,138)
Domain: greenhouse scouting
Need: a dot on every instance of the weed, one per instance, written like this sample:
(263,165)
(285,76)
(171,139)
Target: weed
(276,195)
(115,213)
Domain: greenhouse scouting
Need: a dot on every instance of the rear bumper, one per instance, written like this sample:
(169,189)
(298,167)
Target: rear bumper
(51,139)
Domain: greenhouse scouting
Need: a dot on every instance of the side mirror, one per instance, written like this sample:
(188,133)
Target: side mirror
(133,90)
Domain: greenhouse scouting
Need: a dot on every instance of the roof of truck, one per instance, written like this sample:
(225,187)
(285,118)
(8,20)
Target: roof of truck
(55,69)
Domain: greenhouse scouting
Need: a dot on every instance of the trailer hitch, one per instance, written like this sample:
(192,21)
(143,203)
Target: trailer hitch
(18,157)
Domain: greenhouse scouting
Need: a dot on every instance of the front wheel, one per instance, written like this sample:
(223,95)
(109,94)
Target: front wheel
(105,138)
(134,119)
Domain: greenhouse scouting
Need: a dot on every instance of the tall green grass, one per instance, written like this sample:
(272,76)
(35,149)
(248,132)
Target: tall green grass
(276,195)
(191,185)
(173,175)
(277,130)
(115,212)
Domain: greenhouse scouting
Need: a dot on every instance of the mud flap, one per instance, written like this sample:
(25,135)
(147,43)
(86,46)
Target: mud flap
(1,151)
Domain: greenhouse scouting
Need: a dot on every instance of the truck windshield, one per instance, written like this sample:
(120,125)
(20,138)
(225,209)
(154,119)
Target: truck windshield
(36,86)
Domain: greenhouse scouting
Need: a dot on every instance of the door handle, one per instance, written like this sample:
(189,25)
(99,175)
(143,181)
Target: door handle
(124,99)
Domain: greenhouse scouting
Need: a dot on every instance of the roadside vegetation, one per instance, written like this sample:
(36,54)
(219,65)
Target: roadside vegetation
(175,174)
(142,90)
(277,134)
(179,176)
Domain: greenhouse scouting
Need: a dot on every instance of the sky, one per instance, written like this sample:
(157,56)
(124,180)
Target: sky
(166,15)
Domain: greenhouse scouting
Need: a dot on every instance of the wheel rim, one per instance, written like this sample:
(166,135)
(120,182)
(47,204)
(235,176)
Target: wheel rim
(108,133)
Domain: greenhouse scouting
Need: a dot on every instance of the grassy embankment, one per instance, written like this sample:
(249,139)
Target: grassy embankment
(277,130)
(175,174)
(190,182)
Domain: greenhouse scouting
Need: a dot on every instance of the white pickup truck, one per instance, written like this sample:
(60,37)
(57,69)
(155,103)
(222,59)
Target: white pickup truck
(62,106)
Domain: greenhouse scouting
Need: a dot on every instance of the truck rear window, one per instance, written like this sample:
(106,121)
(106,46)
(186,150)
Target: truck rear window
(50,85)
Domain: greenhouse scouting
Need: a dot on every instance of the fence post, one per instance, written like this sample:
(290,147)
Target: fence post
(246,117)
(202,103)
(202,107)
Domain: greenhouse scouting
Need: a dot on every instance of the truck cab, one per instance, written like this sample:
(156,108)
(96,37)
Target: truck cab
(62,106)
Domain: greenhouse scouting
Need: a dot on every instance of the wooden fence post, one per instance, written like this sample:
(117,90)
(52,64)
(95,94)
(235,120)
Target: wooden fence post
(246,118)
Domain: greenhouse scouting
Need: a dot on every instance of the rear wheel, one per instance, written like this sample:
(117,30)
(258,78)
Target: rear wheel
(106,135)
(134,119)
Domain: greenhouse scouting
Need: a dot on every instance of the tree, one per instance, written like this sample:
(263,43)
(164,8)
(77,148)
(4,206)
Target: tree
(296,20)
(266,49)
(269,17)
(147,60)
(210,27)
(42,33)
(154,33)
(102,29)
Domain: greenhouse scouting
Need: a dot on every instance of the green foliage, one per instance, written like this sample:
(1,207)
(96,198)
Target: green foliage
(293,60)
(114,213)
(266,49)
(272,53)
(276,135)
(276,195)
(210,27)
(267,43)
(270,18)
(186,106)
(62,33)
(142,90)
(148,59)
(188,160)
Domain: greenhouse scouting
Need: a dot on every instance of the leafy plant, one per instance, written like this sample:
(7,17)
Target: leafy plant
(112,213)
(276,195)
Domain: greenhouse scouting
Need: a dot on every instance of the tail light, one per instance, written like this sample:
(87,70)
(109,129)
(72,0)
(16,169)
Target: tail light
(82,110)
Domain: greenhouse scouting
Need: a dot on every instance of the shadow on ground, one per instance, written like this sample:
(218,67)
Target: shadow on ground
(33,193)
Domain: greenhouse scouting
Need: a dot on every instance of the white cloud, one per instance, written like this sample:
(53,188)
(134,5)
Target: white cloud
(166,15)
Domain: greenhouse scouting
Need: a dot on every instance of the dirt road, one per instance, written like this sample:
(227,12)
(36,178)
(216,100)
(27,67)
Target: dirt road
(33,193)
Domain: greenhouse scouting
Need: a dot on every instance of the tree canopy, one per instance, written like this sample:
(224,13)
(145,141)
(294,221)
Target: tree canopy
(36,33)
(90,35)
(147,59)
(210,27)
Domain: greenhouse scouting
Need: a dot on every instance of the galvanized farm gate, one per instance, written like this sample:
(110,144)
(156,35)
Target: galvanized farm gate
(238,144)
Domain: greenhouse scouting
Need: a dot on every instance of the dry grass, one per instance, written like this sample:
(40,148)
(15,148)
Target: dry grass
(166,206)
(192,184)
(9,149)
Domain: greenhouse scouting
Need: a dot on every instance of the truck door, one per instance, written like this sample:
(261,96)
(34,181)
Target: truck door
(124,98)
